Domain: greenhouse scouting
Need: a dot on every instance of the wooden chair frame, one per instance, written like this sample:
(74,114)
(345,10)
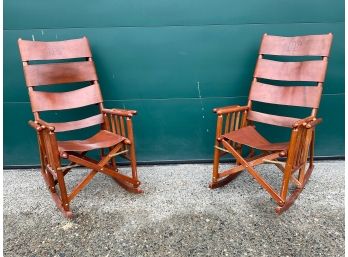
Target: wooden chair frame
(300,147)
(116,121)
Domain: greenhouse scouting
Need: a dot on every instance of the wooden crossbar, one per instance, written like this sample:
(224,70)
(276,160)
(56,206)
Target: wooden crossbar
(274,162)
(254,173)
(221,149)
(92,173)
(253,162)
(119,153)
(68,167)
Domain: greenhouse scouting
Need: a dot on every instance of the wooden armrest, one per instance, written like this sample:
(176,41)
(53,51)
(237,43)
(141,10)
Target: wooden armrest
(303,121)
(34,125)
(46,124)
(229,109)
(121,112)
(314,122)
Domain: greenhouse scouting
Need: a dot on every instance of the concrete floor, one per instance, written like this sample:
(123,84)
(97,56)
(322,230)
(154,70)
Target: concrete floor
(176,216)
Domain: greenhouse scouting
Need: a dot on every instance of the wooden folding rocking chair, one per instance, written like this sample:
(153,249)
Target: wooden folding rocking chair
(115,137)
(235,124)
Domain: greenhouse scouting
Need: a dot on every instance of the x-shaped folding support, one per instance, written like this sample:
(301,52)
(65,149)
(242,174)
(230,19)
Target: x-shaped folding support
(79,159)
(249,164)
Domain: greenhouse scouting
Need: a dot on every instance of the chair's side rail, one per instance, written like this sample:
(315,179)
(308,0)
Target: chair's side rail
(120,122)
(301,138)
(47,145)
(230,118)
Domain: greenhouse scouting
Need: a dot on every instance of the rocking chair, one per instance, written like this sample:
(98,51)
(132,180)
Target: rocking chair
(115,137)
(235,124)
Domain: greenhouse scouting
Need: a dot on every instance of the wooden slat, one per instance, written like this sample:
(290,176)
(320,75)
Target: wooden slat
(311,45)
(272,119)
(78,124)
(38,50)
(59,73)
(237,121)
(46,101)
(112,121)
(118,129)
(232,128)
(123,131)
(304,96)
(227,123)
(291,71)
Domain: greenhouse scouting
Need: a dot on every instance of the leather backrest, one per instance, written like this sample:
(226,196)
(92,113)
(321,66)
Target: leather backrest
(61,62)
(312,51)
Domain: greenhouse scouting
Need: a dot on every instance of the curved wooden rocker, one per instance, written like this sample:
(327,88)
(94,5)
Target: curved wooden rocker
(235,124)
(115,137)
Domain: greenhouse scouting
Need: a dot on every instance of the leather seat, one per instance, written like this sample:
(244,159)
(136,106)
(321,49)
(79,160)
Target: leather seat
(250,137)
(102,139)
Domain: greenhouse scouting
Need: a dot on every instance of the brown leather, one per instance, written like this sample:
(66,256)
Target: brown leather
(45,101)
(304,71)
(304,96)
(102,139)
(291,71)
(271,119)
(78,124)
(250,137)
(312,45)
(36,50)
(51,150)
(59,73)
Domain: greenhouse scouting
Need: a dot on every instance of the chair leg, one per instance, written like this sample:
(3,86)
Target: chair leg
(290,201)
(133,161)
(224,181)
(216,165)
(311,149)
(49,180)
(62,202)
(215,181)
(128,187)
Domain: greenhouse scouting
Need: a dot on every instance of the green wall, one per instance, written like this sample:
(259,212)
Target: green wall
(173,61)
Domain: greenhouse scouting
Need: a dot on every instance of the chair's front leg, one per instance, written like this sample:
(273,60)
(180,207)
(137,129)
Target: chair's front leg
(51,166)
(132,156)
(228,119)
(289,163)
(120,122)
(301,145)
(216,150)
(55,165)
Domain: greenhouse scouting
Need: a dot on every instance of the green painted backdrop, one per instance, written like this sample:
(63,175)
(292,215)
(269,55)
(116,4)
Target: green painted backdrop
(173,61)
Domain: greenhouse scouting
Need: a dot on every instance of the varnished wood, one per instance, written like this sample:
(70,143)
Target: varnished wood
(253,172)
(115,135)
(295,194)
(241,132)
